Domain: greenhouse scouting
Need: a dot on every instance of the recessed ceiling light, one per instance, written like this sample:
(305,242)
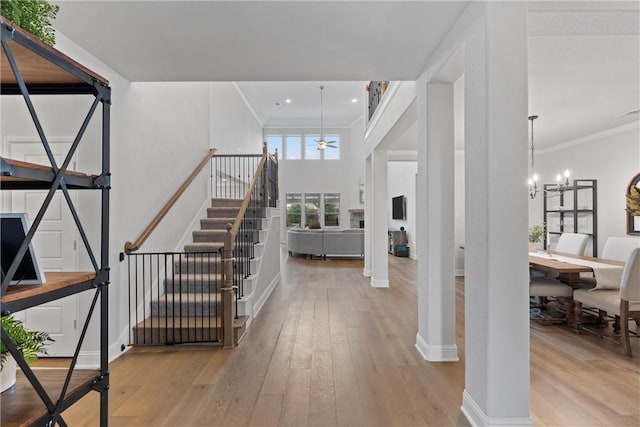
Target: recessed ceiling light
(288,101)
(354,100)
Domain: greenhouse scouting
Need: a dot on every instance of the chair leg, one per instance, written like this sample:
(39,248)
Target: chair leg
(624,320)
(577,310)
(616,325)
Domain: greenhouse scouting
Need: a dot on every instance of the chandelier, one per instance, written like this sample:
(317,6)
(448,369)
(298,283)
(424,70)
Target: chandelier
(561,185)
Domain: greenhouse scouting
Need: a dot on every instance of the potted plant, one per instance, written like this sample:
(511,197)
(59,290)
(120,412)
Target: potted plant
(33,16)
(535,236)
(29,343)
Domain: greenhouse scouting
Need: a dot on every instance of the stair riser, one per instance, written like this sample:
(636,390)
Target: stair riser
(222,212)
(209,236)
(197,286)
(213,247)
(185,309)
(216,223)
(155,335)
(226,203)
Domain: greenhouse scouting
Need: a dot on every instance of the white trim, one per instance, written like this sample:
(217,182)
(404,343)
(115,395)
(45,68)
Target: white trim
(366,273)
(589,138)
(379,283)
(459,273)
(477,417)
(246,102)
(355,122)
(309,127)
(266,294)
(436,353)
(413,256)
(88,360)
(115,347)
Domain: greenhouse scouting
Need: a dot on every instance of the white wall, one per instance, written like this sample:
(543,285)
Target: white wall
(324,176)
(612,157)
(401,181)
(159,132)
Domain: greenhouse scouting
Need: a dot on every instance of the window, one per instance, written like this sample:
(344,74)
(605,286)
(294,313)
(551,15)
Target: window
(311,207)
(274,142)
(332,153)
(294,147)
(332,209)
(294,209)
(311,151)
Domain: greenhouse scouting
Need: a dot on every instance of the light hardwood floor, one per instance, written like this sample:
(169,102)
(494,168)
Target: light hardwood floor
(327,349)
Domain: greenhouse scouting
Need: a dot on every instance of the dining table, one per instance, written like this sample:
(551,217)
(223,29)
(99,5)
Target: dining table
(567,267)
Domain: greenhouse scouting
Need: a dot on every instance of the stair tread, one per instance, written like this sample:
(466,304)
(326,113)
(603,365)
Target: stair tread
(188,297)
(188,322)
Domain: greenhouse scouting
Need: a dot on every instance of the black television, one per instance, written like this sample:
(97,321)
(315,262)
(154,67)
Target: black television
(13,230)
(398,208)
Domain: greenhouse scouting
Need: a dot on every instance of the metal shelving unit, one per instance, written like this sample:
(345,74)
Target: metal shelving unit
(30,67)
(572,210)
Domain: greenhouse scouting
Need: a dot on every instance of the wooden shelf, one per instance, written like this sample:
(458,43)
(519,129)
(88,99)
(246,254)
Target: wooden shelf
(44,69)
(57,285)
(19,175)
(21,405)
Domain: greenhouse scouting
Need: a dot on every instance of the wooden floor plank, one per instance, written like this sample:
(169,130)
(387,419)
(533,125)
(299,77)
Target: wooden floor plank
(329,349)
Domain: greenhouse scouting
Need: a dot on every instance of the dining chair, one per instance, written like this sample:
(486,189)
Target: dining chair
(623,304)
(572,243)
(543,288)
(616,249)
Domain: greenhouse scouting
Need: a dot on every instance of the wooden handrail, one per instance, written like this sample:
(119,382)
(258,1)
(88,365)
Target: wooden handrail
(132,247)
(247,197)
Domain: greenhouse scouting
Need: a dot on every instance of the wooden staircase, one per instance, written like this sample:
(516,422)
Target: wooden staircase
(190,309)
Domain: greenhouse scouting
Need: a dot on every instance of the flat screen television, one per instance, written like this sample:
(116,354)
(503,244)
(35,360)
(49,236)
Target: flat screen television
(13,230)
(398,208)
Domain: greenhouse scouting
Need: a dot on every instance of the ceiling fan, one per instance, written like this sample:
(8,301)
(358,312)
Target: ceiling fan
(322,144)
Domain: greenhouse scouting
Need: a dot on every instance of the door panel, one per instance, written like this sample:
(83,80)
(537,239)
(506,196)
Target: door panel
(54,245)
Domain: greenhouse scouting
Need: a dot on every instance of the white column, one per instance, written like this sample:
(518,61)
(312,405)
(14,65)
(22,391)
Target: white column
(380,217)
(368,217)
(436,337)
(496,268)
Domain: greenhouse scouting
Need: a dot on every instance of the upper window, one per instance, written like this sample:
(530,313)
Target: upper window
(311,151)
(294,147)
(274,142)
(332,153)
(305,146)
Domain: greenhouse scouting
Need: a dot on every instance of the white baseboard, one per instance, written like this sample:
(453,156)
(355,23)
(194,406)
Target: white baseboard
(379,283)
(476,416)
(88,360)
(265,295)
(366,273)
(436,353)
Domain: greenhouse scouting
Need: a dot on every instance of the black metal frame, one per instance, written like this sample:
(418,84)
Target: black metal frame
(551,190)
(58,179)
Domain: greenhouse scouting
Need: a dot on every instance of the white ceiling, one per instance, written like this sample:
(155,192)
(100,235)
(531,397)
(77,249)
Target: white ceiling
(584,65)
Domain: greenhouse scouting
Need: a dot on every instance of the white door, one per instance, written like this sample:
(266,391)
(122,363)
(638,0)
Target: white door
(54,245)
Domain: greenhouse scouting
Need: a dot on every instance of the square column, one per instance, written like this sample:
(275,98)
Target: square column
(379,220)
(436,337)
(368,216)
(496,264)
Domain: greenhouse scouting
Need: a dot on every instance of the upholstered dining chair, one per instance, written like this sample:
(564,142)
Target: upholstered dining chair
(623,303)
(616,249)
(543,288)
(572,243)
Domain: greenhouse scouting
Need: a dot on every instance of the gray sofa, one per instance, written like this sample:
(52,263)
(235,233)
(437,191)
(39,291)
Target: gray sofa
(326,242)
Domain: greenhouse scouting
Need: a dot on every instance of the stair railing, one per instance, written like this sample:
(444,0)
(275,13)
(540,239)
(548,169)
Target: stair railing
(132,247)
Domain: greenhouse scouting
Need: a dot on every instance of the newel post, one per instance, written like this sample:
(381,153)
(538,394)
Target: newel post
(265,176)
(228,291)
